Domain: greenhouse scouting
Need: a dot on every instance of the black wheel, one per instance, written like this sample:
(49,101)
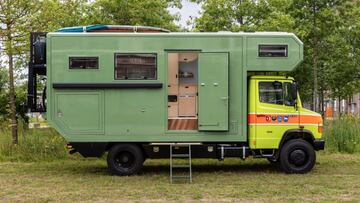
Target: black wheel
(125,159)
(297,156)
(273,160)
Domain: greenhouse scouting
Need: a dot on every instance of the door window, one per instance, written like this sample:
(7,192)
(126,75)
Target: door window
(276,93)
(271,92)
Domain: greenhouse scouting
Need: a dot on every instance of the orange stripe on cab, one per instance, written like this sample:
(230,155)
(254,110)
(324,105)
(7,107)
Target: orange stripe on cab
(268,118)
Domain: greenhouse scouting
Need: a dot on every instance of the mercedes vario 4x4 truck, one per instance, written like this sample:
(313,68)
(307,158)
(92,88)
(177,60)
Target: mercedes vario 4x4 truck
(135,91)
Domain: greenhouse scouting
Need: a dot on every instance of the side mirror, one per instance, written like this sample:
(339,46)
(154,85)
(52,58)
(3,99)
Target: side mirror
(294,90)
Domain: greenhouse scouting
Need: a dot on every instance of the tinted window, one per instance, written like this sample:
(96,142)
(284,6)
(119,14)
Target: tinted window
(135,66)
(83,62)
(271,92)
(273,50)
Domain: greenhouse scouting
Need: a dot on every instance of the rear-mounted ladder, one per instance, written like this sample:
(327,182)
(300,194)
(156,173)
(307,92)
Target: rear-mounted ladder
(185,153)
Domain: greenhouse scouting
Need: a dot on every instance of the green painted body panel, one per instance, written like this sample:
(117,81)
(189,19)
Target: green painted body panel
(140,115)
(213,92)
(255,63)
(91,106)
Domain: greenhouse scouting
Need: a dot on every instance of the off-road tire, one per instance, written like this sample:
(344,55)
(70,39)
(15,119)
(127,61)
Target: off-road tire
(125,159)
(297,156)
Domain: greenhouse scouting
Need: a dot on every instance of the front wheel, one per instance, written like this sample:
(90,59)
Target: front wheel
(297,156)
(125,159)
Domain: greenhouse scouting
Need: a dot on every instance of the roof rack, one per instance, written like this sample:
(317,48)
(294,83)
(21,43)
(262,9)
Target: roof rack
(112,28)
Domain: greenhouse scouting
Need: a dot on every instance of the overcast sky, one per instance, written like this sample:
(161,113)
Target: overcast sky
(188,9)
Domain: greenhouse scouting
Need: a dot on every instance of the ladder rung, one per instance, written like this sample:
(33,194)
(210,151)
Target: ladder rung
(181,166)
(181,177)
(180,155)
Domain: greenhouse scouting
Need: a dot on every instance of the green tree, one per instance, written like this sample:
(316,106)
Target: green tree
(344,68)
(244,15)
(54,14)
(134,12)
(3,95)
(14,16)
(317,22)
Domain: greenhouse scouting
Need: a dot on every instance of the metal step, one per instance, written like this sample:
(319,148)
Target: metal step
(181,176)
(181,156)
(181,166)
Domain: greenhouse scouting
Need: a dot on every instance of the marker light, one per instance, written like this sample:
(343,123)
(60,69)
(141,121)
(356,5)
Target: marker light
(320,128)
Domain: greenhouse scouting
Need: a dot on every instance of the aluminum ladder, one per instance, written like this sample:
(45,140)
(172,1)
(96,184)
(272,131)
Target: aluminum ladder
(186,147)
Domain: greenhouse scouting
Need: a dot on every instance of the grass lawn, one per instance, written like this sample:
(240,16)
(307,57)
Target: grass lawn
(336,177)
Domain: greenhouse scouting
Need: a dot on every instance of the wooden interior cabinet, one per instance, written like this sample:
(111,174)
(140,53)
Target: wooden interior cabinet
(187,106)
(173,109)
(173,89)
(187,90)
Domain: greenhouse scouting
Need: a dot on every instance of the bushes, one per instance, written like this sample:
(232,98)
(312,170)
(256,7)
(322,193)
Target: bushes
(34,145)
(343,134)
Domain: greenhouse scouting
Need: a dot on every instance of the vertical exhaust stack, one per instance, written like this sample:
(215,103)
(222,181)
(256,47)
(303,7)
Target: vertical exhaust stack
(37,66)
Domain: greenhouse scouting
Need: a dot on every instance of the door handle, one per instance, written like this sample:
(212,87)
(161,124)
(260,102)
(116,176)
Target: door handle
(224,98)
(59,113)
(217,124)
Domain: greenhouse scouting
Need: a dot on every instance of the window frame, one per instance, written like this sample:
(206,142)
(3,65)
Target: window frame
(94,57)
(284,45)
(134,53)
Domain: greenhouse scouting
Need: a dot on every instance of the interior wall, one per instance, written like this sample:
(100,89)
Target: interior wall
(189,67)
(173,68)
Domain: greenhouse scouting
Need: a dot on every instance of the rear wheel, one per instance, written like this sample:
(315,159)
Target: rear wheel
(297,156)
(125,159)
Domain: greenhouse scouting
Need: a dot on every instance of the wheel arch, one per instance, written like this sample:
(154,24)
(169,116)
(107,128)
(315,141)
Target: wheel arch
(109,145)
(297,134)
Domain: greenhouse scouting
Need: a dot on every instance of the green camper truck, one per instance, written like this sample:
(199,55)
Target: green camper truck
(135,91)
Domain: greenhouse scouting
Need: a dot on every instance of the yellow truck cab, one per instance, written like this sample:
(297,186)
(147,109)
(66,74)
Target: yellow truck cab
(141,92)
(276,116)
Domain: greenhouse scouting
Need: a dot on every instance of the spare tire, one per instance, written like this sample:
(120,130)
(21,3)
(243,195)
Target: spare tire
(40,50)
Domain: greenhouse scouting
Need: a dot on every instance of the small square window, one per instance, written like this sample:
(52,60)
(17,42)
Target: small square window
(84,62)
(273,50)
(135,66)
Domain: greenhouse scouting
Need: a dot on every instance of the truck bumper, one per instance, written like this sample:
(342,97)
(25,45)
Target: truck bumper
(319,145)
